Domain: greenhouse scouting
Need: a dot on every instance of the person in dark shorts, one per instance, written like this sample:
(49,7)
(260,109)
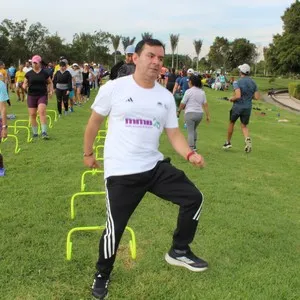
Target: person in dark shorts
(130,170)
(39,83)
(245,89)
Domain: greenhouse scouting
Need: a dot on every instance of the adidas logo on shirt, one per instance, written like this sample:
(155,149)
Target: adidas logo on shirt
(129,100)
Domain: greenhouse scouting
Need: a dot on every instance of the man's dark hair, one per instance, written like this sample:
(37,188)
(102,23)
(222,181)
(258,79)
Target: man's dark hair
(196,81)
(150,42)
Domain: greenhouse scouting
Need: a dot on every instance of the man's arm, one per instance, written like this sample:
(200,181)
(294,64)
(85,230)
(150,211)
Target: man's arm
(236,96)
(122,71)
(50,86)
(90,134)
(4,119)
(256,95)
(181,146)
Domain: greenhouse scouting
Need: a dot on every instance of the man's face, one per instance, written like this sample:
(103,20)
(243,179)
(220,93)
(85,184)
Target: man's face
(149,62)
(129,58)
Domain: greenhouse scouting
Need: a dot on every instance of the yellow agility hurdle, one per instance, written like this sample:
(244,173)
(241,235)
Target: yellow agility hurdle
(17,148)
(82,194)
(16,131)
(22,121)
(132,242)
(53,111)
(97,152)
(92,172)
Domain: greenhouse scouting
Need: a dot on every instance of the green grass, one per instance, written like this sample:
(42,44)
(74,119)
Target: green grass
(248,230)
(279,83)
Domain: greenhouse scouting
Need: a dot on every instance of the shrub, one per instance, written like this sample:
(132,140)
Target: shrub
(294,90)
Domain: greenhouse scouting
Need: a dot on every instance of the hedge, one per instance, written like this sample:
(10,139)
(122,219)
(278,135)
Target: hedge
(294,90)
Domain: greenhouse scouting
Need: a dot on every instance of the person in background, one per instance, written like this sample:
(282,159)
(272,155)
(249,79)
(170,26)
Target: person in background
(77,74)
(39,84)
(3,120)
(62,84)
(245,89)
(12,74)
(20,77)
(128,67)
(27,67)
(170,80)
(194,103)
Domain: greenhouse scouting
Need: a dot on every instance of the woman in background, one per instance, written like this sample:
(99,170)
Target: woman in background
(194,102)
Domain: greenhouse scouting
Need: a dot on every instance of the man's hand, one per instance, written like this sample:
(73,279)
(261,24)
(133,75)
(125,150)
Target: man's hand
(91,162)
(197,160)
(3,133)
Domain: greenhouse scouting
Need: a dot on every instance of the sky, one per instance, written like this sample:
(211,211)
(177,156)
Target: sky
(256,20)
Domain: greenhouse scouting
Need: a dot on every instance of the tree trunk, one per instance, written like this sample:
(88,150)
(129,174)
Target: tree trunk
(115,57)
(172,59)
(197,62)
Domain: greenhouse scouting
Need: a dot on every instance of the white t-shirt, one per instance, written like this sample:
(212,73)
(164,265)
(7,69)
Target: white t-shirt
(137,117)
(194,98)
(27,69)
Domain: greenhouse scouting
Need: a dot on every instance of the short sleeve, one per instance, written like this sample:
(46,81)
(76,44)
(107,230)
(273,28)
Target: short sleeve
(172,121)
(103,101)
(185,98)
(47,75)
(235,85)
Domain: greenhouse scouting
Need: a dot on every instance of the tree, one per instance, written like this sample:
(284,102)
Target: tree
(15,34)
(198,46)
(126,41)
(115,39)
(283,55)
(147,35)
(219,53)
(35,38)
(174,38)
(242,51)
(53,48)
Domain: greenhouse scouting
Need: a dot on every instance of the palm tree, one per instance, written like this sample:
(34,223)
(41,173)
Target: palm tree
(174,38)
(115,39)
(147,35)
(198,46)
(126,41)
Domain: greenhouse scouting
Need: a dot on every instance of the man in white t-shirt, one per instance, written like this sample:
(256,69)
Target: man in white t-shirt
(139,109)
(27,67)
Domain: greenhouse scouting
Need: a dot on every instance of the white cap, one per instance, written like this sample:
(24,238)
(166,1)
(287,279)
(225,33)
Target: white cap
(130,49)
(190,71)
(245,68)
(75,65)
(86,64)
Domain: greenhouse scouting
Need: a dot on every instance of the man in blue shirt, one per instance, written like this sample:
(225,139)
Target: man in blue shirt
(245,89)
(12,74)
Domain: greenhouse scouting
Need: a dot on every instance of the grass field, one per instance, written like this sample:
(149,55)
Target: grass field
(248,231)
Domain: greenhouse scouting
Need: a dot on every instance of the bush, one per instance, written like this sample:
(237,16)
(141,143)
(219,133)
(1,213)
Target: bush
(294,90)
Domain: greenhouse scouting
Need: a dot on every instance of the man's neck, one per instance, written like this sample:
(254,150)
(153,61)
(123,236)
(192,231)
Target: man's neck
(142,82)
